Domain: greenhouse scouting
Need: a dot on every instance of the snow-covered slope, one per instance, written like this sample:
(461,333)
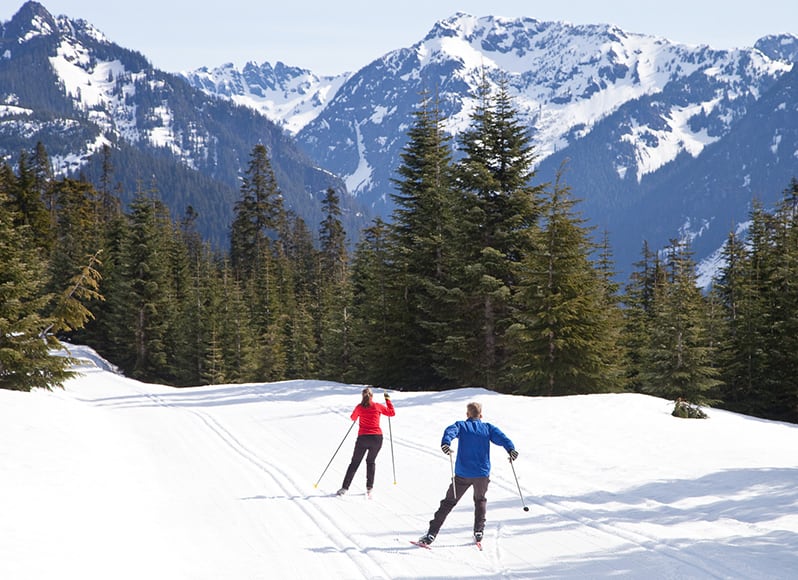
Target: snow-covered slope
(648,127)
(290,96)
(632,114)
(111,478)
(66,85)
(564,78)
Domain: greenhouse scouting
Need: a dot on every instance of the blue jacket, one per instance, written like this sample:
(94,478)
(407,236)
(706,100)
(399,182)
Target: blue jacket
(473,448)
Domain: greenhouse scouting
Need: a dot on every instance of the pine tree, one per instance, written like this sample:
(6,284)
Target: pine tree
(334,335)
(496,220)
(782,375)
(27,195)
(147,271)
(110,333)
(259,261)
(638,313)
(566,342)
(733,294)
(421,246)
(42,173)
(70,312)
(78,233)
(375,312)
(257,216)
(613,350)
(25,344)
(235,329)
(304,321)
(678,361)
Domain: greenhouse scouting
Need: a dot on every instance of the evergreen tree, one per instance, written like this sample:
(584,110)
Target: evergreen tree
(70,313)
(235,331)
(756,292)
(187,287)
(334,335)
(678,359)
(259,260)
(147,271)
(25,344)
(257,216)
(110,206)
(782,298)
(304,321)
(731,290)
(111,333)
(374,312)
(42,174)
(566,342)
(638,314)
(27,197)
(214,369)
(78,234)
(421,246)
(613,350)
(496,219)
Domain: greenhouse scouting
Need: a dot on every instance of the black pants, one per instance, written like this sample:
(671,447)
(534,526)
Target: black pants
(370,444)
(457,490)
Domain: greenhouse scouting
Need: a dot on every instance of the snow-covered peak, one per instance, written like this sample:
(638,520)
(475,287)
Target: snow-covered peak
(289,96)
(782,47)
(80,28)
(31,21)
(565,77)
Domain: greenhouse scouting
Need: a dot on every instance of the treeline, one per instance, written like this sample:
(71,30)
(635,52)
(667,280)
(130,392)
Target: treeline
(482,278)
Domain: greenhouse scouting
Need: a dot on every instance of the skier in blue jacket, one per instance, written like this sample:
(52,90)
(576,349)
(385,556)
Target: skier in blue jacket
(472,468)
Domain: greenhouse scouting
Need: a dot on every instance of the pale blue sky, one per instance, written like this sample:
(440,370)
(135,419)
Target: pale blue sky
(334,36)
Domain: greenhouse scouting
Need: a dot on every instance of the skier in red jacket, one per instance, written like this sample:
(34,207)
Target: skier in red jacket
(369,437)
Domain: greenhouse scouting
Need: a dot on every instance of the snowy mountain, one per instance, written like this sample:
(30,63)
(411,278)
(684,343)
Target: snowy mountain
(629,111)
(62,82)
(662,140)
(289,96)
(113,478)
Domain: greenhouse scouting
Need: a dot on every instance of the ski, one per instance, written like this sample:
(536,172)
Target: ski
(421,545)
(478,544)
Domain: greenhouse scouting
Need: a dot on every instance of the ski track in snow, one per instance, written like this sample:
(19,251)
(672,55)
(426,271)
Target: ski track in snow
(226,475)
(358,554)
(339,537)
(644,542)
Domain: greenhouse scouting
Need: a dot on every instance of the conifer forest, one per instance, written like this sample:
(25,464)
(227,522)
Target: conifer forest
(483,277)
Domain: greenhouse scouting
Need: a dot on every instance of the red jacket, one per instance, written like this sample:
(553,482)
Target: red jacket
(370,417)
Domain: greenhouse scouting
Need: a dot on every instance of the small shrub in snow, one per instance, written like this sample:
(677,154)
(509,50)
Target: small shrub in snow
(685,410)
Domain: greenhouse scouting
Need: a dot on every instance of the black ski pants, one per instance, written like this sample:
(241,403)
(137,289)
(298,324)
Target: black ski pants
(368,446)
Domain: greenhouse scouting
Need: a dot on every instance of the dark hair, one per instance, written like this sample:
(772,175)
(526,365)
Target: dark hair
(366,394)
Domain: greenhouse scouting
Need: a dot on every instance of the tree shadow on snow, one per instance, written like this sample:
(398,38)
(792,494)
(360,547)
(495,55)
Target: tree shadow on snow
(737,511)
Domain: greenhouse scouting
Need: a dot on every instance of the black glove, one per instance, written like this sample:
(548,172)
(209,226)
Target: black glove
(387,396)
(513,454)
(446,449)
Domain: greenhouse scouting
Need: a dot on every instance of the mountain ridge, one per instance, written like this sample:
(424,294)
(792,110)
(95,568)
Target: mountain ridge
(632,116)
(652,106)
(62,82)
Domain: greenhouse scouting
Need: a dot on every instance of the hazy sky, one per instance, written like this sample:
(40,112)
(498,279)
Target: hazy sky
(330,37)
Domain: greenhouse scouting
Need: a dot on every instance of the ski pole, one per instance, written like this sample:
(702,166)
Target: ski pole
(526,508)
(390,438)
(334,454)
(454,487)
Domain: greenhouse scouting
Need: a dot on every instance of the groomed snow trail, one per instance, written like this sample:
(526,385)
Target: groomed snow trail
(218,483)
